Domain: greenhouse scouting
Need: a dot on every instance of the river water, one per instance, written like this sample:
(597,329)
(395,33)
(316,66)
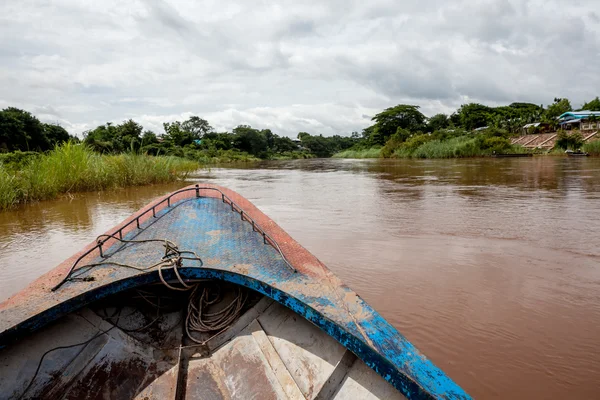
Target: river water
(490,267)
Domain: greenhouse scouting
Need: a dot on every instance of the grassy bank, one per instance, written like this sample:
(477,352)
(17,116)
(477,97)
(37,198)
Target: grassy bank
(593,148)
(460,147)
(423,146)
(373,152)
(71,168)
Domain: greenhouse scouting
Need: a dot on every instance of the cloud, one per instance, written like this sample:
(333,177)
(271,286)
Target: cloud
(323,67)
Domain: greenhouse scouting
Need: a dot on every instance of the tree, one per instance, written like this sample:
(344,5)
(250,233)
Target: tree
(593,105)
(474,115)
(437,122)
(196,127)
(559,107)
(302,135)
(283,144)
(19,130)
(402,116)
(250,140)
(56,134)
(318,145)
(176,135)
(149,137)
(270,136)
(127,135)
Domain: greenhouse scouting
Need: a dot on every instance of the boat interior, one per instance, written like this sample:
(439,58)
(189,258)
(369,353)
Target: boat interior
(211,340)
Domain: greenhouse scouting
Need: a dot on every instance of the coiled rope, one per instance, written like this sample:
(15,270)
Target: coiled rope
(202,296)
(199,320)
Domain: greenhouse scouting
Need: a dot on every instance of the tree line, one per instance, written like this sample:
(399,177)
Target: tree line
(196,138)
(20,130)
(192,138)
(468,117)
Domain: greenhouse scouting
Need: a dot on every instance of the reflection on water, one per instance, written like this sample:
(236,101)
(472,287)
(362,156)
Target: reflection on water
(491,267)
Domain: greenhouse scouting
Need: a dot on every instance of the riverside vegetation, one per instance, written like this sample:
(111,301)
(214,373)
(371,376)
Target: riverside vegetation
(71,167)
(40,161)
(474,130)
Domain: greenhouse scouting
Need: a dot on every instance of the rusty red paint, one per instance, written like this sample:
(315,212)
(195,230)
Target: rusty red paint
(298,256)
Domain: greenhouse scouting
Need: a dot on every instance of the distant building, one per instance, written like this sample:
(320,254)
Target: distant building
(582,120)
(536,127)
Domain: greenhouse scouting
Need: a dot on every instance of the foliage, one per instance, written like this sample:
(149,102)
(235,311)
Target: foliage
(111,138)
(437,122)
(56,134)
(593,105)
(463,146)
(554,110)
(16,160)
(20,130)
(74,167)
(187,132)
(396,131)
(402,116)
(445,134)
(592,148)
(473,115)
(395,141)
(564,141)
(494,144)
(250,140)
(372,152)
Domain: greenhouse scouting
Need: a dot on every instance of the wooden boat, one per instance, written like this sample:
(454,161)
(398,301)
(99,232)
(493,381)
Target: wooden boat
(200,295)
(577,153)
(512,155)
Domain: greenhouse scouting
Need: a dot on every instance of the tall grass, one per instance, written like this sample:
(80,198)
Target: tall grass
(373,152)
(593,147)
(73,168)
(456,147)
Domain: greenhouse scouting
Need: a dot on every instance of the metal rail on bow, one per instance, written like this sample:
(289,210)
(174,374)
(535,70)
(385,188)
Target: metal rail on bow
(226,199)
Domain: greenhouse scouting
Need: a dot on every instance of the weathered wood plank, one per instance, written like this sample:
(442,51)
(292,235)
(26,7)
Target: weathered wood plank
(337,376)
(283,375)
(307,352)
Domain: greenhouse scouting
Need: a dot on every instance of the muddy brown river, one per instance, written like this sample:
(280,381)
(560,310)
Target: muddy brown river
(490,267)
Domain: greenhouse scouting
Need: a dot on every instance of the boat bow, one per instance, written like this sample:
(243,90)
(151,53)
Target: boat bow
(234,242)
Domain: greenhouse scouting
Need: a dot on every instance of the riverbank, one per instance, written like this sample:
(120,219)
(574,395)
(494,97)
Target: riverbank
(232,156)
(373,152)
(71,168)
(422,146)
(467,146)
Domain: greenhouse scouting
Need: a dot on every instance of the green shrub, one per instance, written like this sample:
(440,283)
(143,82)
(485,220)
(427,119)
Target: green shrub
(17,159)
(394,142)
(494,144)
(373,152)
(564,141)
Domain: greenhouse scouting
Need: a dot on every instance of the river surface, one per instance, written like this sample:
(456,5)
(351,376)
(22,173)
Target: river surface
(490,267)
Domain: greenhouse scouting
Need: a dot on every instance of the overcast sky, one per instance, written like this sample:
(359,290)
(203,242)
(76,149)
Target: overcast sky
(290,65)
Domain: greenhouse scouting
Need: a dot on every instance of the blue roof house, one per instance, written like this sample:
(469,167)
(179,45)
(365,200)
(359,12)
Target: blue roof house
(582,120)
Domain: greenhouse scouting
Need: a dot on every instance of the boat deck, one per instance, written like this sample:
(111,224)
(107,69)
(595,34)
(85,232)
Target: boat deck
(268,353)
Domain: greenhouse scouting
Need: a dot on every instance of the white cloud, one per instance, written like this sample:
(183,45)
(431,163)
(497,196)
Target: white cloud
(319,66)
